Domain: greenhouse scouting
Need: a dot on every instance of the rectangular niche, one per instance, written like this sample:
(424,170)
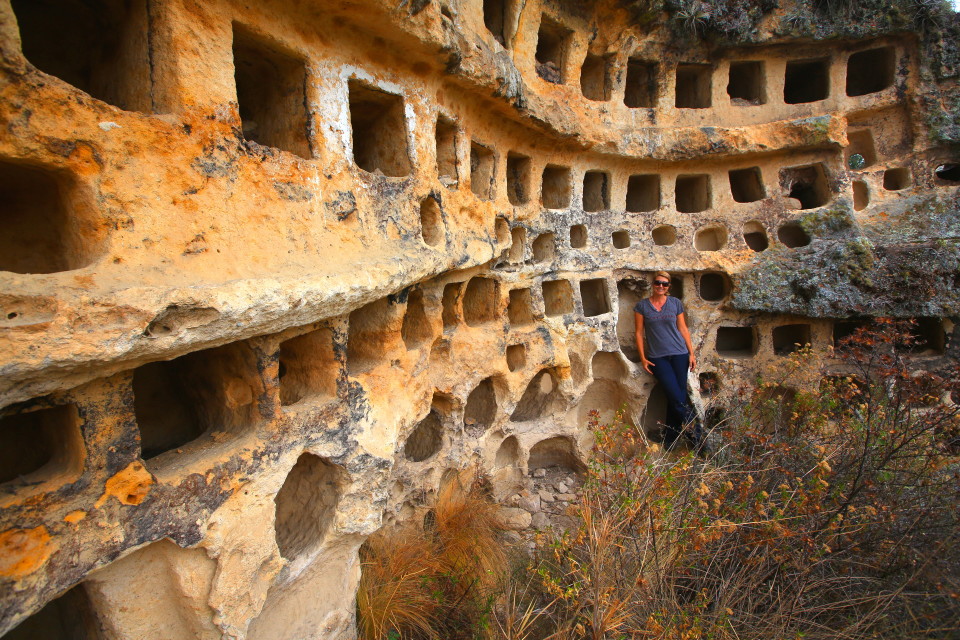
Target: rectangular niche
(271,93)
(518,238)
(790,337)
(807,185)
(643,193)
(861,144)
(736,342)
(578,236)
(595,297)
(97,46)
(481,301)
(374,332)
(595,78)
(596,191)
(557,297)
(520,309)
(518,178)
(47,225)
(871,71)
(482,162)
(178,401)
(640,89)
(308,367)
(897,179)
(555,187)
(70,616)
(379,129)
(844,329)
(494,18)
(806,81)
(545,248)
(746,185)
(931,336)
(553,41)
(746,84)
(446,138)
(516,357)
(694,86)
(693,193)
(42,447)
(450,314)
(620,239)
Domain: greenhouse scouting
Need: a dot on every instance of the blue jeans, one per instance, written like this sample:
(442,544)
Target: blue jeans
(671,373)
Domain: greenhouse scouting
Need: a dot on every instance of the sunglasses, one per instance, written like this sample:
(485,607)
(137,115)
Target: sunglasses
(661,283)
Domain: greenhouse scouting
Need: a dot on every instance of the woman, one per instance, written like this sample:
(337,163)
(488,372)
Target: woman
(667,352)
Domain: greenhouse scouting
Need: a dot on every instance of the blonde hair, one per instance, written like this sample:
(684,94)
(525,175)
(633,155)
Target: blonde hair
(664,274)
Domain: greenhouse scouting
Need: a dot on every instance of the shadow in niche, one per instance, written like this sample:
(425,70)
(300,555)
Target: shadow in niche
(539,399)
(69,617)
(306,505)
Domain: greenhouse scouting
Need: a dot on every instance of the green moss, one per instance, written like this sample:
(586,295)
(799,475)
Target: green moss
(829,222)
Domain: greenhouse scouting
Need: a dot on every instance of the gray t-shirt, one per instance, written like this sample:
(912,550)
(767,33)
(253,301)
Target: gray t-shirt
(660,328)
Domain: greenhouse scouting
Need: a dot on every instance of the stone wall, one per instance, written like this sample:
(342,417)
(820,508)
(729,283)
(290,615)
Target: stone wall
(271,272)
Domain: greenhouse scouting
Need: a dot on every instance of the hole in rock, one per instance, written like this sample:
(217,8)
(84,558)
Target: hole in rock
(555,189)
(538,399)
(693,193)
(544,248)
(426,438)
(595,297)
(746,83)
(844,329)
(555,452)
(710,238)
(640,89)
(308,367)
(694,86)
(806,81)
(520,309)
(41,446)
(655,413)
(746,185)
(948,172)
(621,239)
(481,301)
(861,143)
(664,235)
(790,337)
(508,453)
(896,179)
(481,408)
(449,303)
(379,130)
(557,297)
(501,229)
(494,18)
(870,71)
(714,286)
(755,235)
(98,46)
(518,236)
(578,236)
(551,53)
(306,505)
(271,93)
(446,139)
(931,337)
(736,342)
(861,195)
(627,298)
(596,195)
(47,226)
(416,328)
(676,288)
(431,222)
(482,163)
(807,184)
(518,178)
(607,365)
(643,193)
(709,383)
(793,235)
(176,402)
(374,329)
(595,78)
(606,397)
(70,616)
(516,357)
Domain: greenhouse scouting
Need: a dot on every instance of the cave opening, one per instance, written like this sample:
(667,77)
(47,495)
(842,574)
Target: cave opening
(693,193)
(596,191)
(746,83)
(518,178)
(595,78)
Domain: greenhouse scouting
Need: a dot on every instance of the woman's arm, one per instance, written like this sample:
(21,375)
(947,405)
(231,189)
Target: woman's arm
(682,328)
(638,319)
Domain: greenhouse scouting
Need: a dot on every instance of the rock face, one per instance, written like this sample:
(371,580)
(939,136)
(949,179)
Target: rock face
(270,272)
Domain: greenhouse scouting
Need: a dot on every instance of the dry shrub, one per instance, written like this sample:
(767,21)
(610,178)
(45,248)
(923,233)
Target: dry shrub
(820,515)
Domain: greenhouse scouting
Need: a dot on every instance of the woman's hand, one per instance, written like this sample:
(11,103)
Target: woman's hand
(646,365)
(693,362)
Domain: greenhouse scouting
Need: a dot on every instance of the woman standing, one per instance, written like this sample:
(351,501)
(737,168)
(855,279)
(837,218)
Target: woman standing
(667,352)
